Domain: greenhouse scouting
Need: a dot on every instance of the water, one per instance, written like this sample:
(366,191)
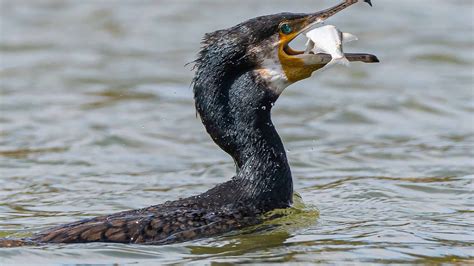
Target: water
(97,117)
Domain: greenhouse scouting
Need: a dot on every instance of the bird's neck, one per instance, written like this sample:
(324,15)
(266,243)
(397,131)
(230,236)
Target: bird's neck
(237,114)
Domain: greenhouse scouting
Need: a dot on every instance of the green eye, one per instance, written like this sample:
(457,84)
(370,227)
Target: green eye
(286,28)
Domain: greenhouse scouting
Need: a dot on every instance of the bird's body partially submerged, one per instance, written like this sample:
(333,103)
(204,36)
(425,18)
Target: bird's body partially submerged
(240,73)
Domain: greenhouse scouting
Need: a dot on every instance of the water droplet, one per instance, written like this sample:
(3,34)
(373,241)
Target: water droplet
(264,107)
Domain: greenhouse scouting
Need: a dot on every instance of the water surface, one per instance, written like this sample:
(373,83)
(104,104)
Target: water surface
(97,117)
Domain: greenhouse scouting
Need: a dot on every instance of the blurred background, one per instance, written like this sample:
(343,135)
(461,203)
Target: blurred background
(97,116)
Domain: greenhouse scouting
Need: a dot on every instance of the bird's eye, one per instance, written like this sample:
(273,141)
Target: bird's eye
(285,28)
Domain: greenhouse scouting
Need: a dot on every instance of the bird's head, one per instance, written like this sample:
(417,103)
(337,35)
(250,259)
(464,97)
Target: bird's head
(262,45)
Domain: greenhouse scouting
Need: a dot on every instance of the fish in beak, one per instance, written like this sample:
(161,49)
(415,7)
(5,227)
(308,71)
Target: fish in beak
(299,65)
(329,40)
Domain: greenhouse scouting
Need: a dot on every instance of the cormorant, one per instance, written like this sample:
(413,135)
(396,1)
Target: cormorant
(240,73)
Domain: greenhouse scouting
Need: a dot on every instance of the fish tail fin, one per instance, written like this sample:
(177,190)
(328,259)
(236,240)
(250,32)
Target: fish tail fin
(348,37)
(344,61)
(340,60)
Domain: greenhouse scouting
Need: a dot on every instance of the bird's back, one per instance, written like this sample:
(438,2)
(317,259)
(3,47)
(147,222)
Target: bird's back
(171,222)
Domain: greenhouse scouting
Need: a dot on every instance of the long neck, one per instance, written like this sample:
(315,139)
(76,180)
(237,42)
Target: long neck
(236,111)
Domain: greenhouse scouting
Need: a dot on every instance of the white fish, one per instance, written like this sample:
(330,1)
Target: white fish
(329,40)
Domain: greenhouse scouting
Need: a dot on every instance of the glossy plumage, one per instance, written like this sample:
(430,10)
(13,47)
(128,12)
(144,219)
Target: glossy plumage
(161,224)
(234,99)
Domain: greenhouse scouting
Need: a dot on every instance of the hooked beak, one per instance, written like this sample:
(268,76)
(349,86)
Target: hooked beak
(299,65)
(321,16)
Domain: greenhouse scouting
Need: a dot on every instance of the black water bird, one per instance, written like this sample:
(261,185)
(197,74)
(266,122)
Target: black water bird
(240,73)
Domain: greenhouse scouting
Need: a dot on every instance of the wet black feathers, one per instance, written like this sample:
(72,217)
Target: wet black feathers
(235,109)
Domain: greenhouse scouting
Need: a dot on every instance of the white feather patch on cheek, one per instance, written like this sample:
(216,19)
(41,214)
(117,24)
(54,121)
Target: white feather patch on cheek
(272,73)
(269,69)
